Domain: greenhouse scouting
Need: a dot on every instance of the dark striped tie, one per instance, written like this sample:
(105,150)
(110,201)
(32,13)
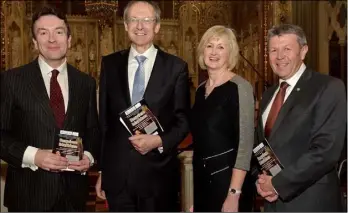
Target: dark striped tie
(56,100)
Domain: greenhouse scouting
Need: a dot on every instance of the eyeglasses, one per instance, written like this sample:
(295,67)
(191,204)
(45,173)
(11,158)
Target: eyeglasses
(141,20)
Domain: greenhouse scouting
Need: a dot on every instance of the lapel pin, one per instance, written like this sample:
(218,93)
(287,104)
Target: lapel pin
(298,89)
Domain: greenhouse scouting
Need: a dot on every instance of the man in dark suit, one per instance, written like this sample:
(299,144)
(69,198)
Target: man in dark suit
(141,172)
(37,101)
(304,119)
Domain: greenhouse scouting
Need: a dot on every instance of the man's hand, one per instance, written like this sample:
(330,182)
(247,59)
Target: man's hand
(81,165)
(49,161)
(145,143)
(98,190)
(265,188)
(266,182)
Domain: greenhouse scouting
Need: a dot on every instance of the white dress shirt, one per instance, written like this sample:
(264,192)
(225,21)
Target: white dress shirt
(133,64)
(292,82)
(62,78)
(150,55)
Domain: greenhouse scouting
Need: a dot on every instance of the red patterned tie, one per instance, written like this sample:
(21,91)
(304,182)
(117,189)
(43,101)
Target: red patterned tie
(276,106)
(56,100)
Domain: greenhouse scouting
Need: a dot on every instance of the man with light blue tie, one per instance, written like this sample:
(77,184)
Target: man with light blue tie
(139,80)
(141,172)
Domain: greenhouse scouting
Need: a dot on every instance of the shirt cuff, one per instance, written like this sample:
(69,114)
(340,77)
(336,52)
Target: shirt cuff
(28,160)
(90,157)
(91,160)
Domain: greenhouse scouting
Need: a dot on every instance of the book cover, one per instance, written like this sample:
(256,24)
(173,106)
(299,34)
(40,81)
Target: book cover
(69,145)
(267,159)
(138,119)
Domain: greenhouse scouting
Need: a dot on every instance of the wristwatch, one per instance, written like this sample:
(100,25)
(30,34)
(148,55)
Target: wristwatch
(234,191)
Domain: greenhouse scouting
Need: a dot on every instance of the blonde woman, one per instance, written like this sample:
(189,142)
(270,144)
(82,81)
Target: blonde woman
(222,125)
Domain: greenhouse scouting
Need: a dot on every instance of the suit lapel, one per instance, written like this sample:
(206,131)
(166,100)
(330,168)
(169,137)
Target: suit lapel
(290,101)
(123,74)
(263,105)
(156,78)
(74,88)
(267,98)
(37,86)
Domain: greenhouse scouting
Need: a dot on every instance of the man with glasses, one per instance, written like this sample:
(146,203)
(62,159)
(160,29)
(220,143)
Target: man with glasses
(141,172)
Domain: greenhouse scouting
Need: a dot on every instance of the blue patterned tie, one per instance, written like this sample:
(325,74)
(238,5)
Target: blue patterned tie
(139,80)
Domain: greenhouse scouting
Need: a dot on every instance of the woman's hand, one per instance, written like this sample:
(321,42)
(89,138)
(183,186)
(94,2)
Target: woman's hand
(231,203)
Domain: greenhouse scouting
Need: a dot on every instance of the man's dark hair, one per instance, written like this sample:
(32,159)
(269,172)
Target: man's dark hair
(44,11)
(284,29)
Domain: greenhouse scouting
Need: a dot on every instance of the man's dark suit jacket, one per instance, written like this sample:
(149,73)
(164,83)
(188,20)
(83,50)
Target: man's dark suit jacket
(28,120)
(167,94)
(308,137)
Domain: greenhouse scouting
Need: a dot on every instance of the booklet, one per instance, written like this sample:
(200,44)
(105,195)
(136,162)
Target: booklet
(267,158)
(138,119)
(69,145)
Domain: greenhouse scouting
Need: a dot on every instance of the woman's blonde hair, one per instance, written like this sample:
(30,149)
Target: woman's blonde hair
(219,31)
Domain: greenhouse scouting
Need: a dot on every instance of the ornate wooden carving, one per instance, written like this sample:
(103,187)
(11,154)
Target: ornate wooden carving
(335,23)
(12,33)
(179,36)
(189,16)
(282,12)
(2,36)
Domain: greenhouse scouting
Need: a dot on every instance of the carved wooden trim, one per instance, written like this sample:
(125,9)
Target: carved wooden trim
(2,36)
(282,12)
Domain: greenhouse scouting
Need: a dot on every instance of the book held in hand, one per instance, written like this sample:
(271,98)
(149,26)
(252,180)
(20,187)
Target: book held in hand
(138,119)
(69,145)
(267,158)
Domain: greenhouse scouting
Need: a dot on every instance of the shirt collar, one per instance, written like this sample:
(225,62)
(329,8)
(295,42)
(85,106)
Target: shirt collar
(148,53)
(47,69)
(293,80)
